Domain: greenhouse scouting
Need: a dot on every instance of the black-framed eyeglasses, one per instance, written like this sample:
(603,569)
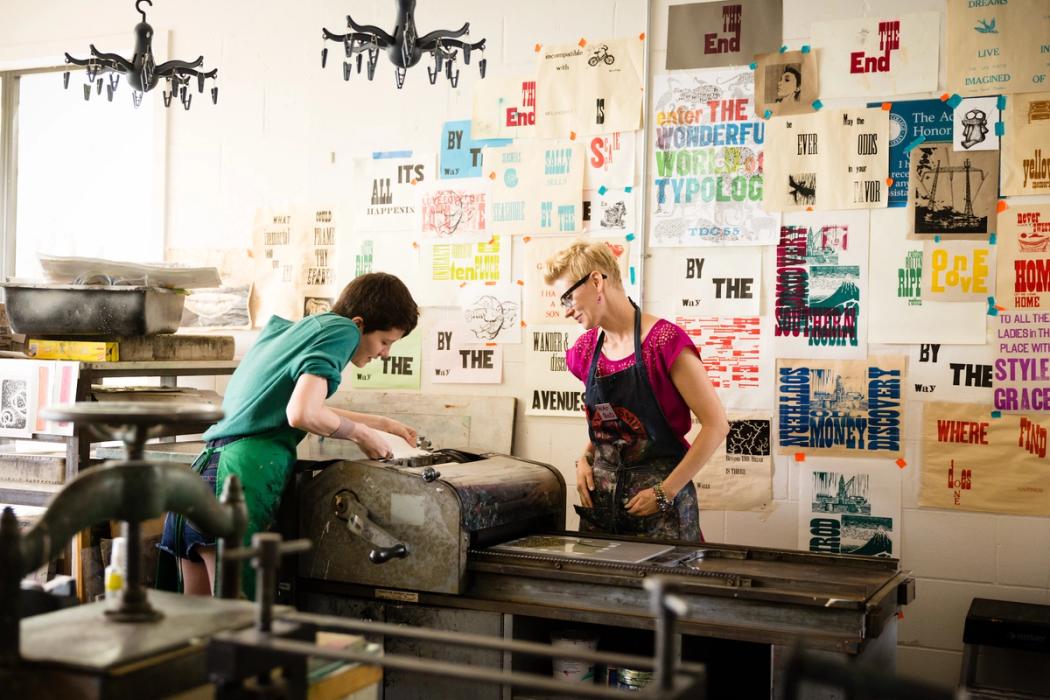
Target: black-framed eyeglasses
(566,298)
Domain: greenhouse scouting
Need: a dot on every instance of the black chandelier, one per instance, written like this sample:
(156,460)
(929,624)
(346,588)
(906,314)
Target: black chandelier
(405,47)
(143,73)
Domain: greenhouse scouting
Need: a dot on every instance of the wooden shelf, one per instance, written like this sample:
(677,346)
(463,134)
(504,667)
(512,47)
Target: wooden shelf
(18,493)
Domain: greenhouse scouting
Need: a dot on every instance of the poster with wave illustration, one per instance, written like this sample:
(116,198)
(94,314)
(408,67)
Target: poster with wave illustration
(850,510)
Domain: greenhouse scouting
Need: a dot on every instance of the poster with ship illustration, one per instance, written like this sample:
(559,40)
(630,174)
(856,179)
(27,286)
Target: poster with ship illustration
(952,193)
(850,510)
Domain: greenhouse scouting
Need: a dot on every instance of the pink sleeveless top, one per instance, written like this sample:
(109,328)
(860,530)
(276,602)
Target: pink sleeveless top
(660,348)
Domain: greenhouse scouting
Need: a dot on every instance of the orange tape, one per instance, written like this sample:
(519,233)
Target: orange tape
(537,48)
(1001,206)
(800,456)
(887,106)
(583,42)
(889,182)
(901,463)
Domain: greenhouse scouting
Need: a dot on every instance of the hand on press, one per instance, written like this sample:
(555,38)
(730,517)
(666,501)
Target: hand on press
(371,442)
(401,430)
(584,481)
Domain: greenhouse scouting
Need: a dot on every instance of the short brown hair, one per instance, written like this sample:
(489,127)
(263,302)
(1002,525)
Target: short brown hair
(581,259)
(381,300)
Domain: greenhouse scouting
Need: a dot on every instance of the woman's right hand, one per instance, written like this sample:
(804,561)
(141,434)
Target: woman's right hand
(584,481)
(371,442)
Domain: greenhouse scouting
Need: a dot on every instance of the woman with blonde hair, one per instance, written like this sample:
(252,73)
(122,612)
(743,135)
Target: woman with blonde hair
(643,382)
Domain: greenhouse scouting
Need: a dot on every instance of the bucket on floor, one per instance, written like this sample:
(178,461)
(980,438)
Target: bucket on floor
(631,679)
(574,670)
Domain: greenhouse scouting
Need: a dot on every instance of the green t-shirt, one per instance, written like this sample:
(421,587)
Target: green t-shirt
(257,396)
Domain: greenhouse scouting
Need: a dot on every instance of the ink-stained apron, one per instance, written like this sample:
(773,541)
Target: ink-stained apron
(634,449)
(263,464)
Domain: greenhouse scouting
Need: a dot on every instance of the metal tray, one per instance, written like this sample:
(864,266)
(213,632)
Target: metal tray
(91,310)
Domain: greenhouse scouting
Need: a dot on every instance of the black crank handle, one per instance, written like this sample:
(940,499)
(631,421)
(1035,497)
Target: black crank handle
(382,555)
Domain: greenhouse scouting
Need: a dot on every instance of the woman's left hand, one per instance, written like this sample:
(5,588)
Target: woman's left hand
(401,430)
(643,503)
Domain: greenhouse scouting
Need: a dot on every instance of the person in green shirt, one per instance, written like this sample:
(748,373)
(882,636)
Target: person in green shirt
(276,396)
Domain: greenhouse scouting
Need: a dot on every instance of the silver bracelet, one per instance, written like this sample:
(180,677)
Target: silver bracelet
(661,500)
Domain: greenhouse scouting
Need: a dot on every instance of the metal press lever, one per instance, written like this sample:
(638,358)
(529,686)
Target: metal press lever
(384,545)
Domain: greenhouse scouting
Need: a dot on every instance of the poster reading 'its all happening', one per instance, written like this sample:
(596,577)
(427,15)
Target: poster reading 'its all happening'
(849,408)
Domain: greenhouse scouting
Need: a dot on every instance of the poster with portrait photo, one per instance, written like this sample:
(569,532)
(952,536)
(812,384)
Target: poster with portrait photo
(973,127)
(786,83)
(951,193)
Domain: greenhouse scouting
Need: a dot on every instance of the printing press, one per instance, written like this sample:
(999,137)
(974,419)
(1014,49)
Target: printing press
(475,542)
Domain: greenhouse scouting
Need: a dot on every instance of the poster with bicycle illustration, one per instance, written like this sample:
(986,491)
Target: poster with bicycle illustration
(591,87)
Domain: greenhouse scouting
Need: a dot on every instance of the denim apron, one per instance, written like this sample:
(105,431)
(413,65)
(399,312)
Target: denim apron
(634,449)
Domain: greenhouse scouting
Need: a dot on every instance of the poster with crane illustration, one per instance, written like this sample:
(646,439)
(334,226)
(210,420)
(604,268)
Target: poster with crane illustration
(952,194)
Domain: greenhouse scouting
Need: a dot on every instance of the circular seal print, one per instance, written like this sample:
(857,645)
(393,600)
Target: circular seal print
(898,129)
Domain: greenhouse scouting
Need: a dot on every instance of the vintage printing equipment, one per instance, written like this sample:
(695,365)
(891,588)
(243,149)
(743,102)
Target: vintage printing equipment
(444,531)
(162,644)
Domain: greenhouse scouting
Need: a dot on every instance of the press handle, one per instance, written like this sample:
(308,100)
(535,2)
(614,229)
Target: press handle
(382,555)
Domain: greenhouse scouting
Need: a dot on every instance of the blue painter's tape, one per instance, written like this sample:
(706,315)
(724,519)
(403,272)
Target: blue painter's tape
(997,414)
(992,238)
(1000,128)
(1001,102)
(913,143)
(603,189)
(992,311)
(628,188)
(632,274)
(991,301)
(380,155)
(752,66)
(630,236)
(937,239)
(783,48)
(768,114)
(817,104)
(805,48)
(954,100)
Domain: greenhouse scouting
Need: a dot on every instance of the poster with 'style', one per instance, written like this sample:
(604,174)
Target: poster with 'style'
(850,408)
(1021,373)
(383,196)
(739,475)
(462,155)
(713,34)
(997,46)
(1023,280)
(591,87)
(708,180)
(610,160)
(737,353)
(901,314)
(454,357)
(552,388)
(785,83)
(454,212)
(952,194)
(886,55)
(610,212)
(972,461)
(974,124)
(958,373)
(536,187)
(542,305)
(445,267)
(833,159)
(504,107)
(820,293)
(707,281)
(958,270)
(1026,144)
(854,509)
(491,313)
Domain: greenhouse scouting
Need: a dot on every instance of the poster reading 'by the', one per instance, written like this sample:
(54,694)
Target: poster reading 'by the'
(851,408)
(707,182)
(972,461)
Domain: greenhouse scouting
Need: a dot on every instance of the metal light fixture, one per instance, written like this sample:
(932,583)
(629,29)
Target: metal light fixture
(405,47)
(143,73)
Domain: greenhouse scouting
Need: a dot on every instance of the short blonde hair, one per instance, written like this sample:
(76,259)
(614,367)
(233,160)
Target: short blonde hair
(581,259)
